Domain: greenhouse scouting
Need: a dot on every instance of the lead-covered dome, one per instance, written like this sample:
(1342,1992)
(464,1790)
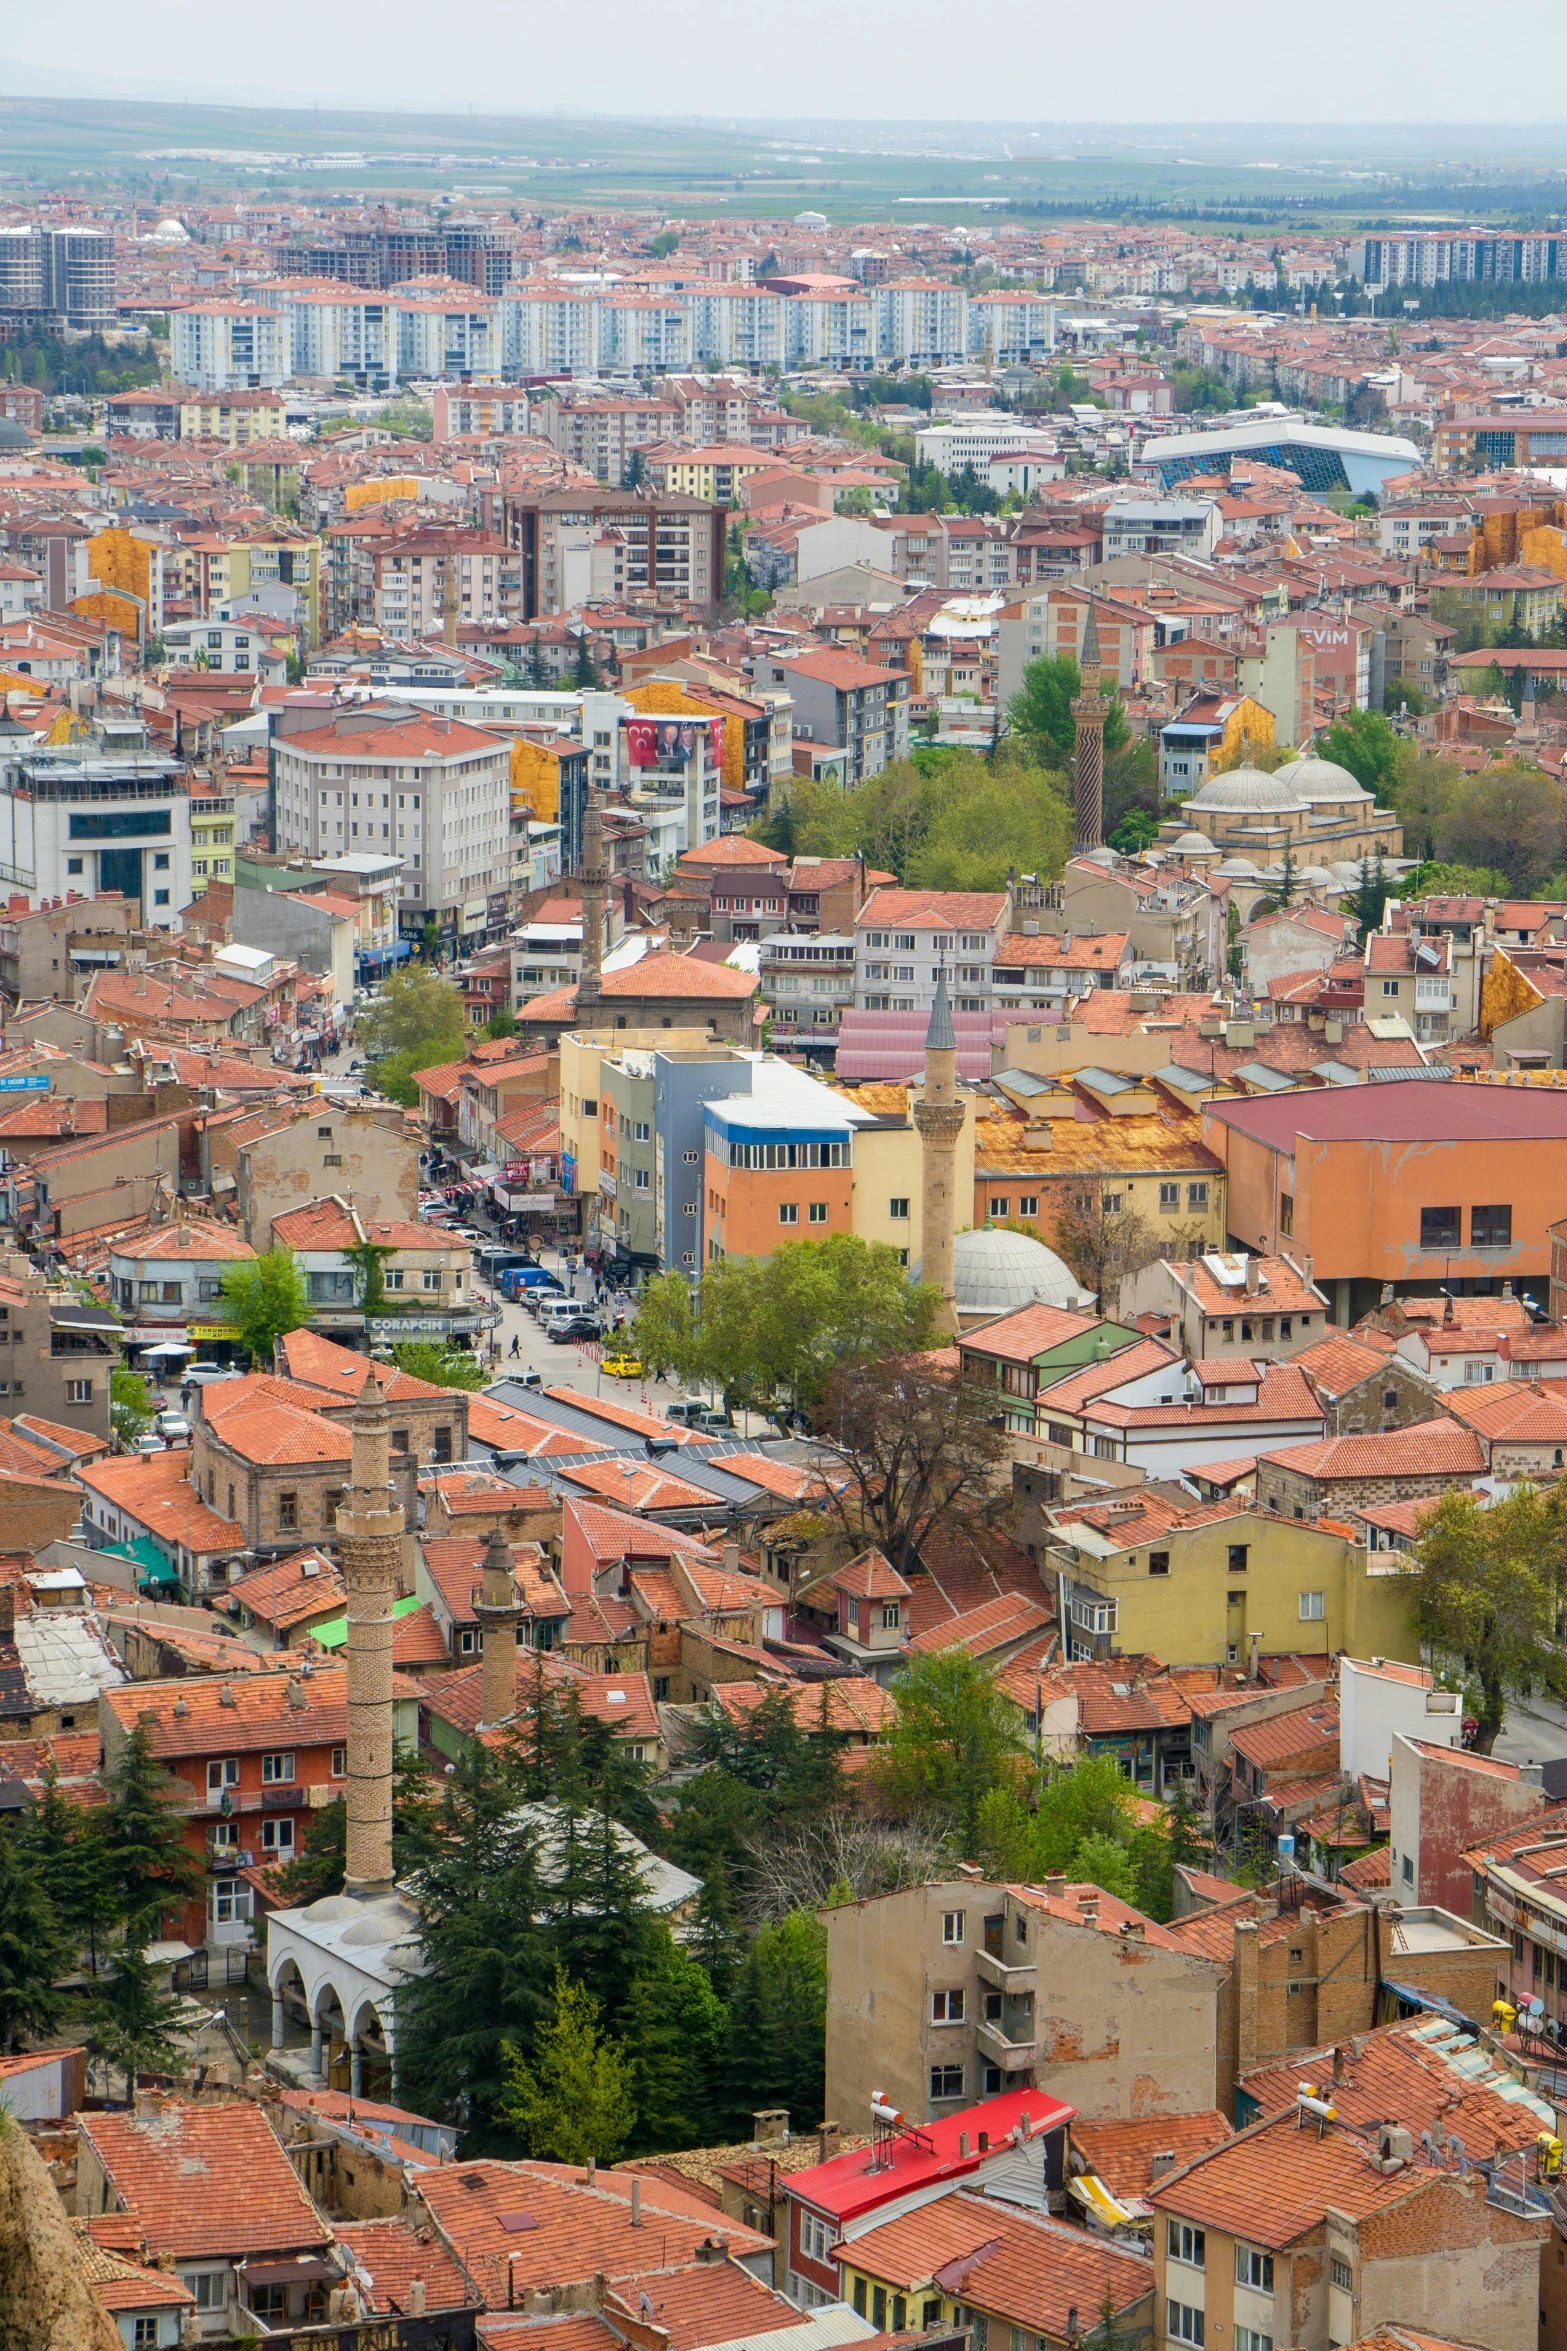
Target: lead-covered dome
(995,1271)
(1321,781)
(1246,791)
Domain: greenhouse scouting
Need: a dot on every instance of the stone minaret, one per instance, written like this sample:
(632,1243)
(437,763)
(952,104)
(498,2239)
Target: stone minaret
(592,884)
(369,1545)
(497,1610)
(1088,718)
(450,599)
(939,1117)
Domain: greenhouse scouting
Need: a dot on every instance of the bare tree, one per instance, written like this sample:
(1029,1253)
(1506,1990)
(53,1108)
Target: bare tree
(1103,1242)
(912,1440)
(843,1857)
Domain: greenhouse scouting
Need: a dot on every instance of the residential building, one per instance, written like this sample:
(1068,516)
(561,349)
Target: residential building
(1265,1308)
(422,1280)
(851,713)
(1341,1474)
(906,939)
(980,1989)
(229,346)
(436,793)
(170,1278)
(1445,1801)
(581,545)
(56,278)
(997,2266)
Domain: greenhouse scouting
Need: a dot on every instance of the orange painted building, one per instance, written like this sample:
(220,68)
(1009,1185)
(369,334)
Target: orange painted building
(772,1175)
(1412,1184)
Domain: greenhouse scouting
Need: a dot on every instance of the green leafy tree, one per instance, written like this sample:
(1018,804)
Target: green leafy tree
(1041,712)
(501,1023)
(584,675)
(663,1329)
(981,826)
(954,1738)
(1435,879)
(1513,819)
(1101,1862)
(1370,895)
(573,2103)
(34,1948)
(265,1297)
(130,1404)
(1289,878)
(676,2045)
(1137,831)
(151,1870)
(768,1750)
(133,2022)
(442,1366)
(778,2027)
(418,1020)
(1364,742)
(369,1260)
(1485,1588)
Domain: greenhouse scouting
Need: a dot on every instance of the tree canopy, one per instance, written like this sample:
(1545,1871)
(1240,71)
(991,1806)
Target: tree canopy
(943,820)
(266,1297)
(1041,712)
(417,1020)
(1485,1588)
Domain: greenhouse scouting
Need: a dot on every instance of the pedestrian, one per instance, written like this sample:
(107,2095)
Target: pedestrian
(516,1346)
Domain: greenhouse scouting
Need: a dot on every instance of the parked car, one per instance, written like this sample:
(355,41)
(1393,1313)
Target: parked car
(173,1425)
(201,1375)
(581,1326)
(148,1442)
(622,1367)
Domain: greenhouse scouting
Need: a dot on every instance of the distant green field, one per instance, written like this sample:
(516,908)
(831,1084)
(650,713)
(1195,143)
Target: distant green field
(1260,176)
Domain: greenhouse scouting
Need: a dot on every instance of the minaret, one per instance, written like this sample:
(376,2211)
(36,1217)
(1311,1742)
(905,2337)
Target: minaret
(449,599)
(497,1610)
(938,1115)
(592,882)
(1088,719)
(369,1547)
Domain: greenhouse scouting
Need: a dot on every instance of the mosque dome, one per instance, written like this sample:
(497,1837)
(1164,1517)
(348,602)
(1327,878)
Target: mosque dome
(1193,844)
(14,435)
(1246,791)
(997,1272)
(1321,782)
(1241,869)
(171,232)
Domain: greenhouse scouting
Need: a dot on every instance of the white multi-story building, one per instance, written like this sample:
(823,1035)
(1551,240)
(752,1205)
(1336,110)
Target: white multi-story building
(905,938)
(85,820)
(459,337)
(1012,326)
(667,767)
(975,440)
(339,331)
(921,322)
(551,330)
(230,346)
(386,778)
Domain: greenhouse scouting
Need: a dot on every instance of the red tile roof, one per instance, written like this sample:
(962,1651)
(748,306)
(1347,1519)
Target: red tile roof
(1426,1448)
(392,2253)
(1013,2265)
(205,2181)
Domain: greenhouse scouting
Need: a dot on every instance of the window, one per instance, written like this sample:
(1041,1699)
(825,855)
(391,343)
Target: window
(1001,1208)
(952,1926)
(275,1768)
(897,1210)
(1253,2268)
(1170,1197)
(1238,1556)
(1341,2274)
(431,1278)
(1286,1214)
(788,1212)
(441,1444)
(1184,2243)
(947,2007)
(859,2296)
(889,1616)
(1441,1228)
(78,1391)
(468,1642)
(1196,1195)
(208,2288)
(946,2081)
(1248,2339)
(1312,1609)
(817,2238)
(145,2335)
(1028,1204)
(1182,2324)
(818,1212)
(277,1836)
(288,1510)
(1158,1563)
(1490,1228)
(221,1775)
(340,1763)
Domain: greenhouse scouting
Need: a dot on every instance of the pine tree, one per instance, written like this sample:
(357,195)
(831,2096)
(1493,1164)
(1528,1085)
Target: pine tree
(676,2041)
(69,1847)
(778,2023)
(596,1902)
(1289,880)
(573,2102)
(133,2024)
(34,1949)
(150,1868)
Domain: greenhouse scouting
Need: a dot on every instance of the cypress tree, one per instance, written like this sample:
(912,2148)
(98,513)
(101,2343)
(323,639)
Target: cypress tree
(150,1868)
(34,1950)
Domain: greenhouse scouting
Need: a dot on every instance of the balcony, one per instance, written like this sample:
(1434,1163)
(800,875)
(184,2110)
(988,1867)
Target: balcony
(1011,2056)
(994,1971)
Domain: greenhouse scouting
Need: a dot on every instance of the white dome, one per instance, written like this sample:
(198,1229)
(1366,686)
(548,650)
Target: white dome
(1316,877)
(1192,844)
(171,232)
(997,1272)
(1242,868)
(1246,791)
(1321,780)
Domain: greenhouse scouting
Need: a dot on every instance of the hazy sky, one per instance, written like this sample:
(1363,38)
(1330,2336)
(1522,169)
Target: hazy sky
(1336,61)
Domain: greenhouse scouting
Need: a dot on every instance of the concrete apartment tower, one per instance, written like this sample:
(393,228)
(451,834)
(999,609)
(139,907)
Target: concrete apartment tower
(592,884)
(370,1546)
(1088,718)
(939,1117)
(497,1610)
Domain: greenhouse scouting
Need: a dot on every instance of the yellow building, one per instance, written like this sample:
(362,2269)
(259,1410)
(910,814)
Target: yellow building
(235,417)
(1198,1588)
(1140,1160)
(211,840)
(887,1189)
(715,473)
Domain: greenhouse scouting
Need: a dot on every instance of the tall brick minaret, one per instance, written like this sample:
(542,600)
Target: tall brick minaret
(497,1610)
(938,1116)
(592,886)
(1088,717)
(369,1544)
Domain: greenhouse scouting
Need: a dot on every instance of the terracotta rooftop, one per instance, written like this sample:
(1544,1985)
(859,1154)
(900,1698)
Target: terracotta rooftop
(205,2180)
